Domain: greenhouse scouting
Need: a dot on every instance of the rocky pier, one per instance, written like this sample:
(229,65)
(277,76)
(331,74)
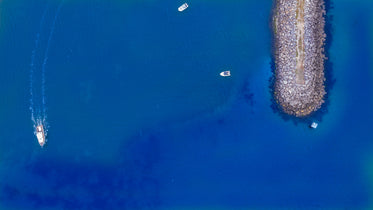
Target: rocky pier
(299,39)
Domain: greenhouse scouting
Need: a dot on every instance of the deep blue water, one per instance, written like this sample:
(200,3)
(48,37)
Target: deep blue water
(139,117)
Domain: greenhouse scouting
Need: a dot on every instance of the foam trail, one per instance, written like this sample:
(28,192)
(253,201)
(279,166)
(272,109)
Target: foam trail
(32,65)
(46,59)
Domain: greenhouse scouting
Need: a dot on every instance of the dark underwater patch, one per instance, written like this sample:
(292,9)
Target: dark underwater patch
(131,184)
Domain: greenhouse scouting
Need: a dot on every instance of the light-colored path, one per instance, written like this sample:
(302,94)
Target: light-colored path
(299,70)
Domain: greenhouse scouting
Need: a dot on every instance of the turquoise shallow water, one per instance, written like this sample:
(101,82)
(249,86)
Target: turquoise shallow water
(139,117)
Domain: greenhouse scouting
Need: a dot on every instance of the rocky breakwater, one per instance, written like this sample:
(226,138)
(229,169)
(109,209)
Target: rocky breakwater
(299,39)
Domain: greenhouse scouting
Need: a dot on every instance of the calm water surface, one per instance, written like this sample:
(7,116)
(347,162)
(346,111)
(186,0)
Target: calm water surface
(139,117)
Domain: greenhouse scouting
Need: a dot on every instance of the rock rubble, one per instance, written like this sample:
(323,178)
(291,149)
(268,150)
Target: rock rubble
(294,97)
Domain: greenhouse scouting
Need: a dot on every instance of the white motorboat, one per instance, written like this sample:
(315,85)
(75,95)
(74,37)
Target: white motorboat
(314,125)
(40,134)
(225,73)
(183,7)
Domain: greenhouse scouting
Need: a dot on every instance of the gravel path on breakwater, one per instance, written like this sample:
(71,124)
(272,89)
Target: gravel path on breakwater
(299,55)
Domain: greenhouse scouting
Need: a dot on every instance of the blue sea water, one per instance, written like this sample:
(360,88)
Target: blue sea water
(139,118)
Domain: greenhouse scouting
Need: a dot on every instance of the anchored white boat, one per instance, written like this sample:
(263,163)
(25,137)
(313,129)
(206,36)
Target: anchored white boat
(225,73)
(314,125)
(40,135)
(183,7)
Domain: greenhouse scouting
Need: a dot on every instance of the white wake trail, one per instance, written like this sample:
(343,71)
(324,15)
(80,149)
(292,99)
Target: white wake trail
(32,66)
(45,62)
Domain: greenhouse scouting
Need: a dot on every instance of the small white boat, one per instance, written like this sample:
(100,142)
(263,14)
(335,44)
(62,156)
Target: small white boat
(225,73)
(183,7)
(40,135)
(314,125)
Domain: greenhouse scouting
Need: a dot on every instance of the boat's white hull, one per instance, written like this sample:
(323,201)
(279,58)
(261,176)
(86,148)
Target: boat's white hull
(40,135)
(183,7)
(314,125)
(225,74)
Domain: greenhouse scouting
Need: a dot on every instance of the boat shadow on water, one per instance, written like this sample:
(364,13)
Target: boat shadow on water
(328,72)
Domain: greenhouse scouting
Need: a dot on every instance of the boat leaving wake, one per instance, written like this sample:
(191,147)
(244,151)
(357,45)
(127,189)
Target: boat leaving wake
(38,105)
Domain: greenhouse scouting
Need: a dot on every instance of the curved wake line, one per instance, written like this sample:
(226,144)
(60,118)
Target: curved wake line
(32,65)
(46,59)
